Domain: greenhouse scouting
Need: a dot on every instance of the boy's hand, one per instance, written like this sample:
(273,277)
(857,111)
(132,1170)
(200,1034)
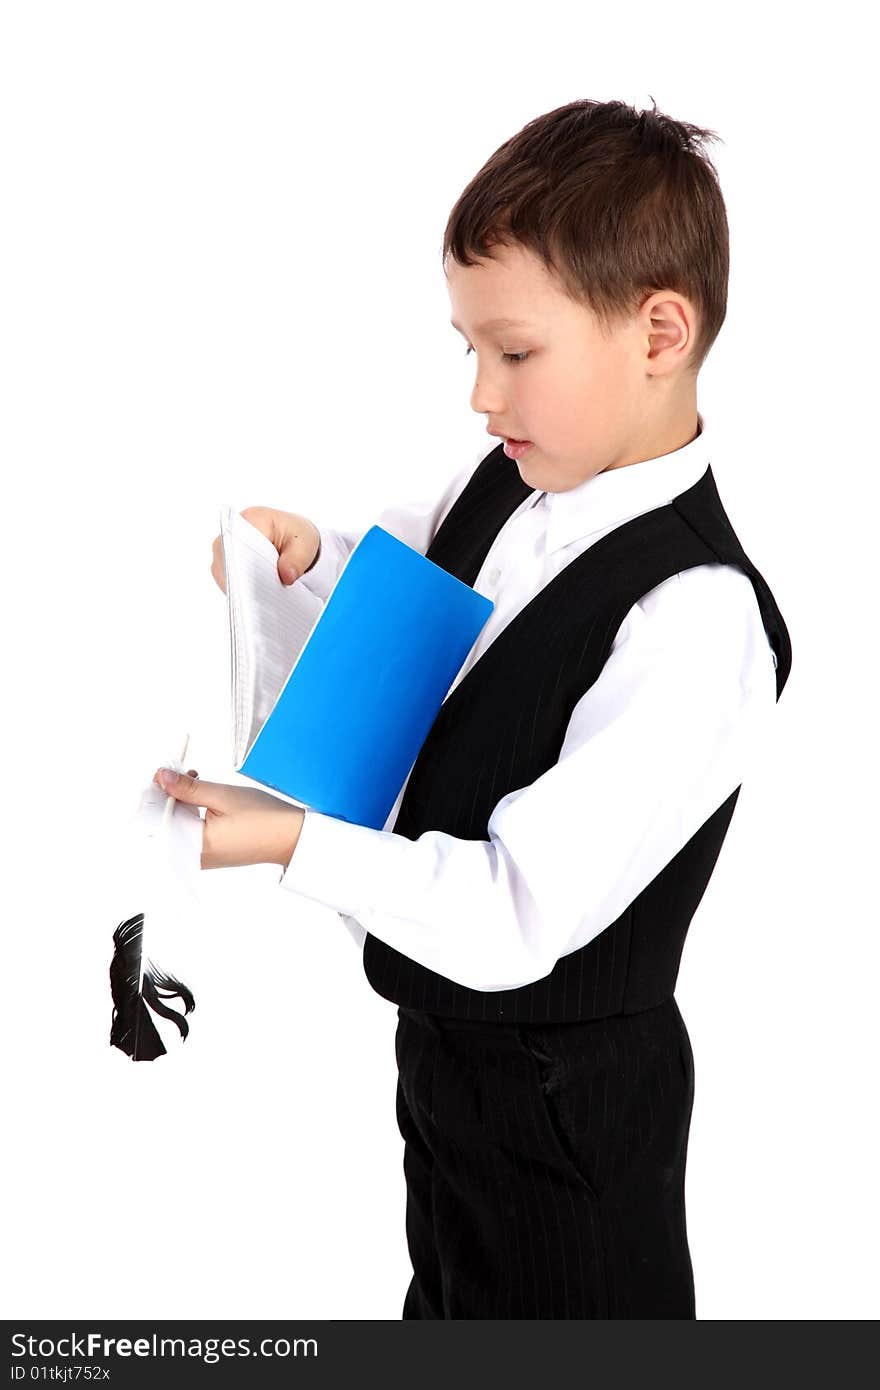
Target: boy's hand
(241,825)
(297,540)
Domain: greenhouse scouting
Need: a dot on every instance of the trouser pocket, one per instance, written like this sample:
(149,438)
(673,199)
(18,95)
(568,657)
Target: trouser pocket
(617,1093)
(553,1078)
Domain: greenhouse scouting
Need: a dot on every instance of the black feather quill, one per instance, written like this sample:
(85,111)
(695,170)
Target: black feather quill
(136,984)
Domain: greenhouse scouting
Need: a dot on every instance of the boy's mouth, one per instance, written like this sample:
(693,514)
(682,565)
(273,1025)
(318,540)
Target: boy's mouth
(515,448)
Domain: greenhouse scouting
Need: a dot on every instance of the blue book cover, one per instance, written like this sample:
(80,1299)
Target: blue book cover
(332,701)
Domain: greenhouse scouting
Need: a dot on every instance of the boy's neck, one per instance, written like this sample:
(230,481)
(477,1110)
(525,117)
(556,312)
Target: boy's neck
(660,438)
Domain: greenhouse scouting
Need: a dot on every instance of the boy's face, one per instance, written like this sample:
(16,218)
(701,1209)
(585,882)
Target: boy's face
(588,400)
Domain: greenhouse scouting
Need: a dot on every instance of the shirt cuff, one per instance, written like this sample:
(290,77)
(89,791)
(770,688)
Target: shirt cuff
(347,867)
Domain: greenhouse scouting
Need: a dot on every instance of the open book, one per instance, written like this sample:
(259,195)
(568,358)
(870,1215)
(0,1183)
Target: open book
(331,702)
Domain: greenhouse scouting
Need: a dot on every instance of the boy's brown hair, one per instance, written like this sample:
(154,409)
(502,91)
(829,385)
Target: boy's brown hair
(617,203)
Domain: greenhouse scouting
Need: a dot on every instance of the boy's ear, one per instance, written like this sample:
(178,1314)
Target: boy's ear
(670,323)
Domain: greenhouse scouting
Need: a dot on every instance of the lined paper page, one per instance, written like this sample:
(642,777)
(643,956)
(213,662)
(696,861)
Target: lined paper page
(270,623)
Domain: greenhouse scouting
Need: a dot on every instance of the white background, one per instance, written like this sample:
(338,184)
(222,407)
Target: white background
(221,282)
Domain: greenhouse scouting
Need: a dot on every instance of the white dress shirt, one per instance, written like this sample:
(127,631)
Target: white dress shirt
(652,749)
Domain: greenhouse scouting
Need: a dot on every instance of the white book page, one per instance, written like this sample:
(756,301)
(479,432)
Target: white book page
(270,623)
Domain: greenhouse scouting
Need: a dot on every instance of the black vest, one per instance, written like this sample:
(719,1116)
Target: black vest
(504,725)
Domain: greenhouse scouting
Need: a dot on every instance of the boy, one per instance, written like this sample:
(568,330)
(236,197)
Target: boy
(526,904)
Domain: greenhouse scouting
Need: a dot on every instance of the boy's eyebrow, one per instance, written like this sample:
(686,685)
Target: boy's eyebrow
(495,323)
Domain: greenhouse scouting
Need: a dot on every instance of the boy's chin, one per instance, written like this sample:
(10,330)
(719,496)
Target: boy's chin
(529,467)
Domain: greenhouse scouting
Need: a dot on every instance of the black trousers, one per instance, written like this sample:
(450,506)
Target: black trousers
(545,1166)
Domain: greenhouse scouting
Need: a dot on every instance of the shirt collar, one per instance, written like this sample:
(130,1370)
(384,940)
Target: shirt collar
(610,498)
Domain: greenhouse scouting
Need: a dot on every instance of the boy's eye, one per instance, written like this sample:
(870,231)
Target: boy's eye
(508,356)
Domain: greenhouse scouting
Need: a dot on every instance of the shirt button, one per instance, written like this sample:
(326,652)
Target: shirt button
(494,576)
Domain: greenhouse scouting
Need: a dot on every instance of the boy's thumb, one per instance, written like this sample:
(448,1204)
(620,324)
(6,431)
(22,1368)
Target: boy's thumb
(287,568)
(184,787)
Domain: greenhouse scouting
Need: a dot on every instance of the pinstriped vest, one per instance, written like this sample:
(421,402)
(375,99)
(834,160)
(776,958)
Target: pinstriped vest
(504,725)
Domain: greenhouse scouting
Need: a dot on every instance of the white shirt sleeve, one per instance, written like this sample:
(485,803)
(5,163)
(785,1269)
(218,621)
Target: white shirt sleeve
(656,744)
(414,523)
